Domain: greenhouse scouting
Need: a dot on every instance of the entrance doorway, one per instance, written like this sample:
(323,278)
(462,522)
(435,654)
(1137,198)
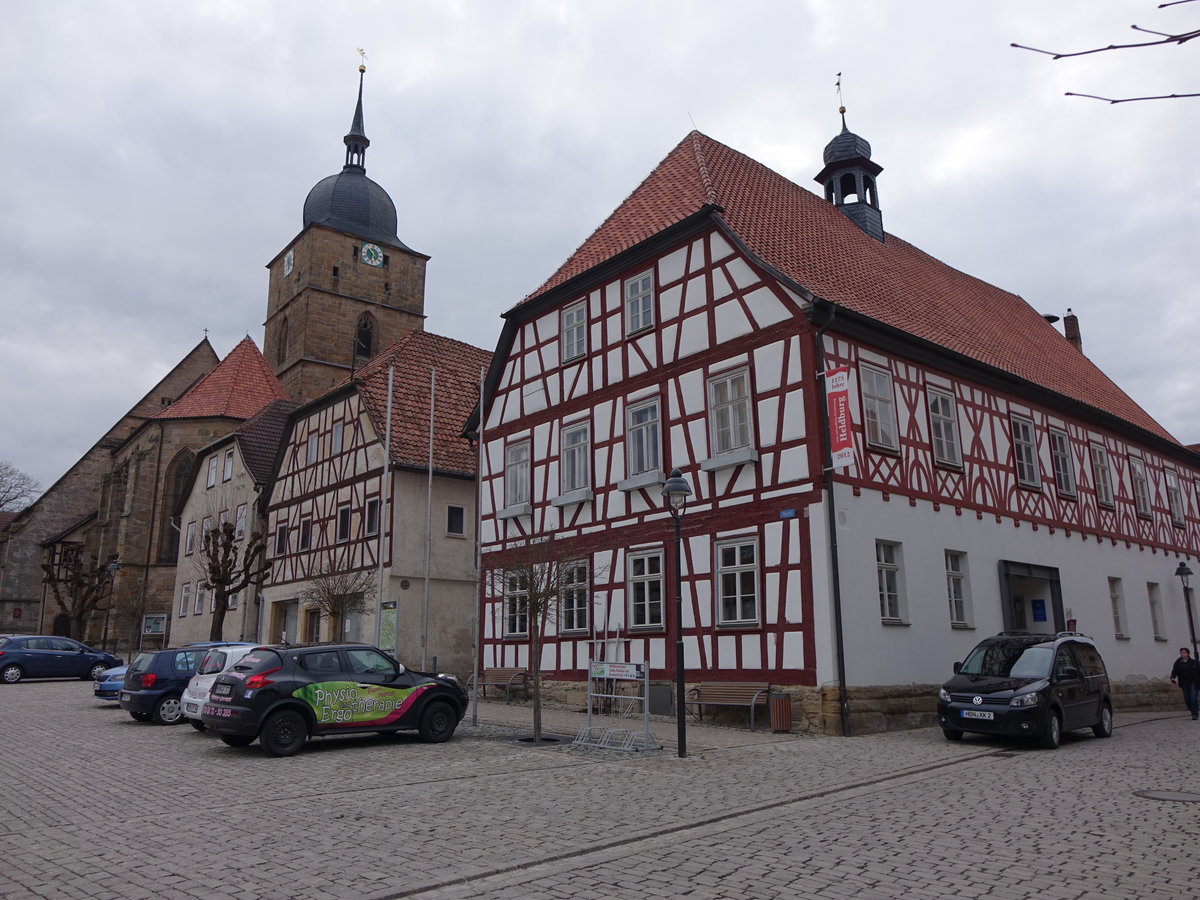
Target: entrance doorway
(285,617)
(1031,598)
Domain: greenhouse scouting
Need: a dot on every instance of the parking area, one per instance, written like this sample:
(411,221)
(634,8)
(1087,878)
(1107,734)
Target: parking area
(96,805)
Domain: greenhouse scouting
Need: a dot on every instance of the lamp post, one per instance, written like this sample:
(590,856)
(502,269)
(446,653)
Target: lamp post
(677,490)
(1184,573)
(111,568)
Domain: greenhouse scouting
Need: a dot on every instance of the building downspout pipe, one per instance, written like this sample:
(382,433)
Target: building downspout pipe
(831,516)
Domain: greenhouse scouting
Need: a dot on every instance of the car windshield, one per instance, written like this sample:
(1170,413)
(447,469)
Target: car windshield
(4,642)
(1009,660)
(141,662)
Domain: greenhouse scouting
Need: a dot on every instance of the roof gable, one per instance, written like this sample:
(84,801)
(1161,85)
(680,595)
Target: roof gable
(810,242)
(240,386)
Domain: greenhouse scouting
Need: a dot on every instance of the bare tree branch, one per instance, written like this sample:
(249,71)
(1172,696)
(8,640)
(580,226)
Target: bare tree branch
(78,585)
(337,594)
(229,565)
(17,489)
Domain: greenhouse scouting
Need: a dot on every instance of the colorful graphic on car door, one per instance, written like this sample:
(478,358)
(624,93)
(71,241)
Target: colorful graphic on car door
(349,704)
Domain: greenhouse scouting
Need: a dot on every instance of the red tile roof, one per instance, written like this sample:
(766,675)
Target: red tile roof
(457,377)
(809,241)
(240,385)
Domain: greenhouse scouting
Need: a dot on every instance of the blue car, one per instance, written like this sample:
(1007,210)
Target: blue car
(108,685)
(47,656)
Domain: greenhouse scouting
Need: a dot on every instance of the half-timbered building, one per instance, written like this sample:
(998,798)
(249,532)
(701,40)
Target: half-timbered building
(983,474)
(395,506)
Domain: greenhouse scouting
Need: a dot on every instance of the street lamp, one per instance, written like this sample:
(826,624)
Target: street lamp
(113,566)
(1183,572)
(677,490)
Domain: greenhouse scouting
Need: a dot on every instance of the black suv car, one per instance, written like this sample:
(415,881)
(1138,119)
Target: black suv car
(156,679)
(284,694)
(1039,685)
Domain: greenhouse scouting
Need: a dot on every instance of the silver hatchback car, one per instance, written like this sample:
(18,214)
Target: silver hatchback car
(216,660)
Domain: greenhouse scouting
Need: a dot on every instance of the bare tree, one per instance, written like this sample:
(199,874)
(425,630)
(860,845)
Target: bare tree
(229,564)
(16,488)
(337,594)
(532,578)
(79,585)
(1162,38)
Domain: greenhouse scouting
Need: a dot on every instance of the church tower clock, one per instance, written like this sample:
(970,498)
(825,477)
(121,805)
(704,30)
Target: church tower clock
(346,286)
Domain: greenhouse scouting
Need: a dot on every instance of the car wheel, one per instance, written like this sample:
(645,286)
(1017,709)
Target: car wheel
(11,674)
(237,740)
(168,711)
(1052,735)
(438,722)
(140,716)
(96,671)
(197,724)
(1103,728)
(952,734)
(283,734)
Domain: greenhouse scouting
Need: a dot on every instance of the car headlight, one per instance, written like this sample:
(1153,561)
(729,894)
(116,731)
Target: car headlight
(944,695)
(1030,699)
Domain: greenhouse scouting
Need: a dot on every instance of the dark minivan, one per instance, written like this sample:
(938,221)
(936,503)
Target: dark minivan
(1035,685)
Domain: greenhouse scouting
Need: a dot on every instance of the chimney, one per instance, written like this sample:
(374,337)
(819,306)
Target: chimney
(1071,330)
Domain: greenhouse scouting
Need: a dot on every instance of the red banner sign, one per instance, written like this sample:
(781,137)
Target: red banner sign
(837,400)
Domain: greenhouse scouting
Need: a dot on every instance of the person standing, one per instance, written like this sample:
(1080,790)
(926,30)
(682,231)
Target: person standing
(1186,673)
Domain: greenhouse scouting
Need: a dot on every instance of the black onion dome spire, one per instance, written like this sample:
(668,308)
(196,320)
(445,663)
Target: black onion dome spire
(849,180)
(846,146)
(350,201)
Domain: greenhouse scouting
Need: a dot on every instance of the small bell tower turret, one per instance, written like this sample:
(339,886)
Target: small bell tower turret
(849,180)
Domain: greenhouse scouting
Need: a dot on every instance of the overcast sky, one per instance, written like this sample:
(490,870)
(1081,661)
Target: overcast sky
(156,156)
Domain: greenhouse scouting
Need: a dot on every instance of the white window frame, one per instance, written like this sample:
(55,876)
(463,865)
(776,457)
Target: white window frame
(371,517)
(732,584)
(206,525)
(1141,486)
(310,455)
(304,539)
(958,589)
(462,515)
(574,597)
(644,571)
(232,602)
(943,427)
(239,522)
(517,474)
(185,598)
(1102,473)
(189,541)
(878,407)
(1154,599)
(342,524)
(638,292)
(1025,455)
(1116,596)
(281,538)
(729,412)
(337,438)
(198,608)
(574,458)
(227,465)
(1174,497)
(643,441)
(516,604)
(889,572)
(572,330)
(211,477)
(1060,460)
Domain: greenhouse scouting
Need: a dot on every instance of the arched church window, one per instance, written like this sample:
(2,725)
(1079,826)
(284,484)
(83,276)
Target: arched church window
(364,337)
(179,472)
(282,349)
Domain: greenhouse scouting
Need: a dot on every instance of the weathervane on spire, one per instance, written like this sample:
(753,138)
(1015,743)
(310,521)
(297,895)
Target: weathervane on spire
(841,105)
(363,53)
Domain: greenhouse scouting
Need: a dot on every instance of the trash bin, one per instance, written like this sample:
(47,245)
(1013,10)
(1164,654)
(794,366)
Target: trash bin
(781,712)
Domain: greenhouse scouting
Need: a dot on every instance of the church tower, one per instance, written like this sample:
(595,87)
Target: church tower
(849,180)
(346,286)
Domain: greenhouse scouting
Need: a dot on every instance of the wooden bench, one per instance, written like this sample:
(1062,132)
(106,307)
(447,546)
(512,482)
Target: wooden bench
(505,678)
(728,693)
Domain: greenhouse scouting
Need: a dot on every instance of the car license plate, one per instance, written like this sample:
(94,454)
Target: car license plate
(223,689)
(977,714)
(124,695)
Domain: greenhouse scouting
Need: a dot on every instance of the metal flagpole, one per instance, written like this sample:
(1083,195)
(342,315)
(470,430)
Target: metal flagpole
(383,517)
(428,525)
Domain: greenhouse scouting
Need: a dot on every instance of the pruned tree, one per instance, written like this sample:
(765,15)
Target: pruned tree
(79,585)
(17,489)
(532,578)
(337,594)
(228,565)
(1162,38)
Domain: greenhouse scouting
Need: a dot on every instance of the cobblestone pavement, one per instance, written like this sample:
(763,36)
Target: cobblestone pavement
(95,805)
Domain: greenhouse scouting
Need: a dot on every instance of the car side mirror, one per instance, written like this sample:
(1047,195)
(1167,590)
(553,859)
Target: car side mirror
(957,668)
